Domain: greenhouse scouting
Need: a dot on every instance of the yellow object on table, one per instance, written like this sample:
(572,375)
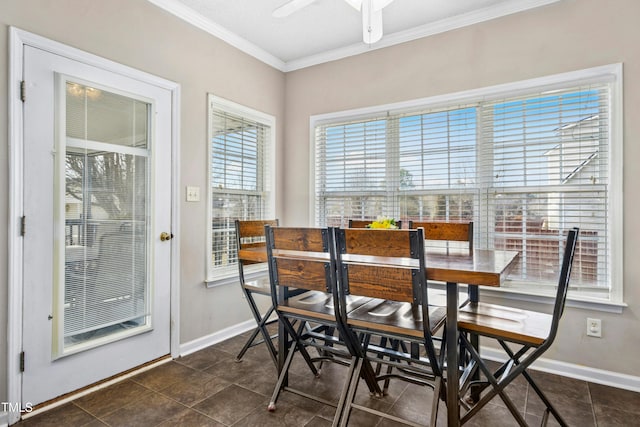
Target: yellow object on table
(383,222)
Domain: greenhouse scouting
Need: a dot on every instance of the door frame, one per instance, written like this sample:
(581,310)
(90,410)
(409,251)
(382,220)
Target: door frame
(17,40)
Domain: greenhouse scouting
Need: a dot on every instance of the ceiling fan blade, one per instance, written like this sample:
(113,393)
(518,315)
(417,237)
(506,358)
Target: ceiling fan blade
(381,4)
(377,4)
(371,22)
(291,7)
(356,4)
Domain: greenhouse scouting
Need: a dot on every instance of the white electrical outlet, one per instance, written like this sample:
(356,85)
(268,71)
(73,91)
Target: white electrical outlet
(193,194)
(594,327)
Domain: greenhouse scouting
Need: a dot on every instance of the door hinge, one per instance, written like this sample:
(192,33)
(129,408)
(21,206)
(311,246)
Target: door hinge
(23,91)
(22,361)
(23,225)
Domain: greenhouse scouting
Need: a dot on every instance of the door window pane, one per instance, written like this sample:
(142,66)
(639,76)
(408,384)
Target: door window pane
(106,189)
(98,115)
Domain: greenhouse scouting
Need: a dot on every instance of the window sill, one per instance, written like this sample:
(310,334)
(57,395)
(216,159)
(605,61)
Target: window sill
(221,281)
(575,301)
(233,278)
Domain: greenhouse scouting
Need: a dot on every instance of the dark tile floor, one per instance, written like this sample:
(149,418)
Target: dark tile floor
(208,388)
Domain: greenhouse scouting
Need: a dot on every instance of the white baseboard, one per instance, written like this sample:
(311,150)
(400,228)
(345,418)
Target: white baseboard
(216,337)
(571,370)
(4,419)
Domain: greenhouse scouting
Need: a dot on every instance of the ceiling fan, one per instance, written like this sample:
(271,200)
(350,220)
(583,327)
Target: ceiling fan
(371,15)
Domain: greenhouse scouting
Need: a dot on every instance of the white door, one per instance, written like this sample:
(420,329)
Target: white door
(97,196)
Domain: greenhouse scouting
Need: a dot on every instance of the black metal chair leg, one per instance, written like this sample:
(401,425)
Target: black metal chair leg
(261,321)
(282,378)
(345,392)
(546,401)
(251,342)
(352,388)
(303,349)
(498,388)
(549,406)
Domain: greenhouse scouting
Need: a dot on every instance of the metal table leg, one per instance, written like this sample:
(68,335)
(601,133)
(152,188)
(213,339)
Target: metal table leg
(453,407)
(474,297)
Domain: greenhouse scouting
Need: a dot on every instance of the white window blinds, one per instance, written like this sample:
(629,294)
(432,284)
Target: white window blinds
(240,141)
(437,150)
(354,179)
(416,166)
(524,163)
(106,217)
(548,153)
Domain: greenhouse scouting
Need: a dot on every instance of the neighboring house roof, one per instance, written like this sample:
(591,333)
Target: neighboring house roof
(579,167)
(579,145)
(586,121)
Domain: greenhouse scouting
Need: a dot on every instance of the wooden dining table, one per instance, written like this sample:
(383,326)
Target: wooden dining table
(480,267)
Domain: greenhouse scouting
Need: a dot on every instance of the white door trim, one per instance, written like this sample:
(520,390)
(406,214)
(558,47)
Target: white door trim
(17,40)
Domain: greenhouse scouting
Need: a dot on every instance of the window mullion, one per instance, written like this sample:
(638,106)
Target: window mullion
(485,217)
(392,186)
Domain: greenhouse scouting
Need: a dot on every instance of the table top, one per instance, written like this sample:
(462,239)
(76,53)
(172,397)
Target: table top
(483,267)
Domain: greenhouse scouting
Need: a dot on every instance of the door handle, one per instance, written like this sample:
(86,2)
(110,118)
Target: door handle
(164,236)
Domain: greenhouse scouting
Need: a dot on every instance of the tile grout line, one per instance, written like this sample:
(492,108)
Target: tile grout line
(593,408)
(192,407)
(93,417)
(526,400)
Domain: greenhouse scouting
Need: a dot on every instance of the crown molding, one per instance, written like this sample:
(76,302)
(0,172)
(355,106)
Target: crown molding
(192,17)
(448,24)
(426,30)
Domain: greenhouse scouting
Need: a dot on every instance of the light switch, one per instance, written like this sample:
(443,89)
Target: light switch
(193,194)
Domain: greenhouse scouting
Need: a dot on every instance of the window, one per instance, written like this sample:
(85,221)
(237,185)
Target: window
(240,146)
(524,161)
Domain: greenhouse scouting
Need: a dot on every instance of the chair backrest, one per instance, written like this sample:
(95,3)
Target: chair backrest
(250,234)
(449,231)
(363,223)
(563,281)
(384,264)
(299,258)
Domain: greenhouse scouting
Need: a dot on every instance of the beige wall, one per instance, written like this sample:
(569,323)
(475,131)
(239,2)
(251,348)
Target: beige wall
(552,39)
(138,34)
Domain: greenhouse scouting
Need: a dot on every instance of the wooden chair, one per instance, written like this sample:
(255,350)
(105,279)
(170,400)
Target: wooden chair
(445,233)
(301,258)
(532,331)
(389,266)
(363,223)
(250,234)
(383,342)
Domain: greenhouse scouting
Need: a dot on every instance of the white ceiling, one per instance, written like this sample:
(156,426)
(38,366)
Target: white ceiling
(330,29)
